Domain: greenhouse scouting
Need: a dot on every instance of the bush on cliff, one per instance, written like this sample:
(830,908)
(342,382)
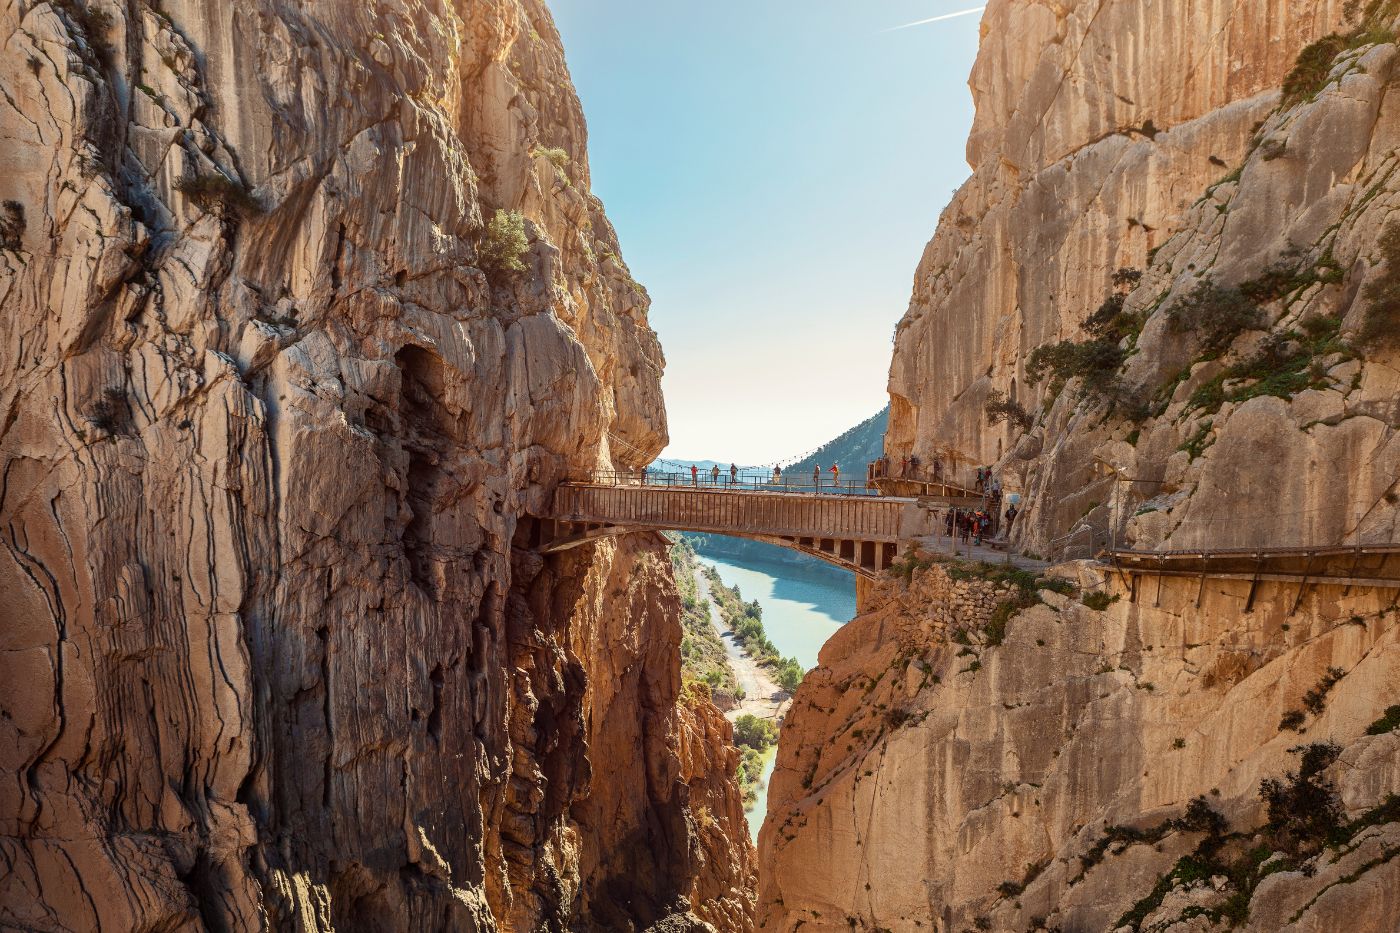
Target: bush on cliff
(1215,315)
(503,243)
(1382,323)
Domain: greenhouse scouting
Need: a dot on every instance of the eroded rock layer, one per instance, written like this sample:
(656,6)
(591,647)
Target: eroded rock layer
(1155,138)
(280,394)
(950,776)
(1189,210)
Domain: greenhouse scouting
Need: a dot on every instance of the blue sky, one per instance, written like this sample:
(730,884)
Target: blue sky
(774,169)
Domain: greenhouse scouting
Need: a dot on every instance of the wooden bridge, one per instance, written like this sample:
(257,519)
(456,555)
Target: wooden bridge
(859,533)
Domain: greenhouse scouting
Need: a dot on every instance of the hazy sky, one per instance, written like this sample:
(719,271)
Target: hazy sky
(774,169)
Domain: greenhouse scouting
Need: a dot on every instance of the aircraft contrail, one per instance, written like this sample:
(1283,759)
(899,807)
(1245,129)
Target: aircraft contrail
(935,19)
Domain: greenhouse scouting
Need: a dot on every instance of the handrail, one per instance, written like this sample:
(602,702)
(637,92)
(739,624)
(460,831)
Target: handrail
(725,482)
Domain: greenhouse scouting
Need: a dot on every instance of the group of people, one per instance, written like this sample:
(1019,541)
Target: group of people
(974,525)
(716,473)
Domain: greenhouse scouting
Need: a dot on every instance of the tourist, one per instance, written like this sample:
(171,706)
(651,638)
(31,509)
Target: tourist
(733,473)
(816,476)
(981,480)
(714,475)
(777,475)
(965,528)
(694,475)
(904,466)
(836,476)
(1011,514)
(950,520)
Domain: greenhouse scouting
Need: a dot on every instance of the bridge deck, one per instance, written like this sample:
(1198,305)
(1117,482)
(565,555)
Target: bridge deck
(861,533)
(736,513)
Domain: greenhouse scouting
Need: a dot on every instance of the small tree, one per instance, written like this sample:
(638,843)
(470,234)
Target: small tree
(1001,410)
(1217,315)
(503,243)
(755,733)
(1304,810)
(1382,324)
(790,675)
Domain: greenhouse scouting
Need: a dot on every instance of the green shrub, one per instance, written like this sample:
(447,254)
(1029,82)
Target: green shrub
(1196,445)
(1316,699)
(503,244)
(12,225)
(215,189)
(1099,600)
(1216,315)
(1382,323)
(1095,363)
(1001,410)
(559,157)
(1387,723)
(790,675)
(1310,71)
(752,732)
(1304,810)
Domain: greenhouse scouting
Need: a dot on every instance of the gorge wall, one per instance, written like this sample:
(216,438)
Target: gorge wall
(960,762)
(1152,137)
(281,390)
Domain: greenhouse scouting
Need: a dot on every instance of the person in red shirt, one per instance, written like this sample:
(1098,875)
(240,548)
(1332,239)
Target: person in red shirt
(694,475)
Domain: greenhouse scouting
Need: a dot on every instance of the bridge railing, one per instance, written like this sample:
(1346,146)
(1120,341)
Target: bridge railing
(744,481)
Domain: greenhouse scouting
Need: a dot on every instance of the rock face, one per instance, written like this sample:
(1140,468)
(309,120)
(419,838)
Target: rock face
(946,780)
(279,401)
(1117,135)
(1083,769)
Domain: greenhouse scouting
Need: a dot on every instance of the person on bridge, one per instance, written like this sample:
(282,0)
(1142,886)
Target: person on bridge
(694,475)
(836,475)
(1011,514)
(714,474)
(777,475)
(816,476)
(733,473)
(981,480)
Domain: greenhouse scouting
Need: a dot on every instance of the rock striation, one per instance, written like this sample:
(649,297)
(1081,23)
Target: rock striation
(1095,151)
(306,309)
(1042,776)
(1171,279)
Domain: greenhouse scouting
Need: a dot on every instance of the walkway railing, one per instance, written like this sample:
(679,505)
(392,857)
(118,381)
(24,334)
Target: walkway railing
(725,482)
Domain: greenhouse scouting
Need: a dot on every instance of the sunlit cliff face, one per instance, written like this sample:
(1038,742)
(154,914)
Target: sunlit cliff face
(274,422)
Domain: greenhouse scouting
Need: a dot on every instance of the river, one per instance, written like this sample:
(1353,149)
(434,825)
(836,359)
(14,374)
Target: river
(802,607)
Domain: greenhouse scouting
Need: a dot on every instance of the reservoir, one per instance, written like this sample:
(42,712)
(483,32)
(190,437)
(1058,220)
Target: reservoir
(804,603)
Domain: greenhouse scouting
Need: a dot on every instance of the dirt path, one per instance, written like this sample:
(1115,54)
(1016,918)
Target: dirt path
(762,696)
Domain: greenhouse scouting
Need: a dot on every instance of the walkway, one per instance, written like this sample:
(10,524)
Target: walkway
(858,532)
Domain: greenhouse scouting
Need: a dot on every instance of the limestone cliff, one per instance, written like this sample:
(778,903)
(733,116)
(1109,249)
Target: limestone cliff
(284,380)
(941,772)
(1171,268)
(1156,139)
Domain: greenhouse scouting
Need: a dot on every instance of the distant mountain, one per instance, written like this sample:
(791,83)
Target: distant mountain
(851,452)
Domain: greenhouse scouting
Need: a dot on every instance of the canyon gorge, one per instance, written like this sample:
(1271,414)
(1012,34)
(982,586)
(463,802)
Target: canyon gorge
(308,309)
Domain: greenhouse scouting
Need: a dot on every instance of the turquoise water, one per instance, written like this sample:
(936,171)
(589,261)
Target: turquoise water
(802,607)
